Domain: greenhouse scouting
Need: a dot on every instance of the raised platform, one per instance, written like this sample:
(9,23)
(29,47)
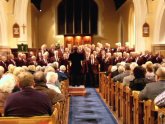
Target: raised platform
(77,91)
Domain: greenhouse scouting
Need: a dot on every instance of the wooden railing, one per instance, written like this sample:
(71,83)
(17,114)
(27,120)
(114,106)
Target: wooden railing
(126,104)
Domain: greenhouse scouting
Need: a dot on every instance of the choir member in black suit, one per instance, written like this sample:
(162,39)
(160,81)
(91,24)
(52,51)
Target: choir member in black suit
(51,50)
(24,60)
(101,59)
(10,60)
(93,66)
(76,67)
(107,61)
(55,58)
(140,59)
(3,63)
(45,60)
(19,61)
(33,61)
(64,61)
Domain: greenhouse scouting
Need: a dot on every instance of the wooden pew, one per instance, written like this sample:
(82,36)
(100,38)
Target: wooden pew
(1,111)
(101,80)
(113,85)
(59,108)
(150,112)
(110,91)
(53,119)
(117,105)
(129,105)
(161,116)
(121,101)
(117,102)
(106,94)
(124,112)
(138,111)
(64,104)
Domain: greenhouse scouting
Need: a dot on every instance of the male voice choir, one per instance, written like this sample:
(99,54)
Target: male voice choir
(82,62)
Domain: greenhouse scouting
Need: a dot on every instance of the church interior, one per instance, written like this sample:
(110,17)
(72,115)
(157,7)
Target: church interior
(105,57)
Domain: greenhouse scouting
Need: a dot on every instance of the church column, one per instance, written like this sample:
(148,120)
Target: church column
(140,16)
(3,29)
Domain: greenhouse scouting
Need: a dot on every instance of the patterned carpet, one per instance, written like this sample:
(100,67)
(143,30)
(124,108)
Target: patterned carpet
(89,109)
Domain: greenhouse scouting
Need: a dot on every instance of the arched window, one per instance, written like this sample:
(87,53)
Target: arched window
(77,17)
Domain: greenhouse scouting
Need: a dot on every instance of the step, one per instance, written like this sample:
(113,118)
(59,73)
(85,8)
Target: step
(77,91)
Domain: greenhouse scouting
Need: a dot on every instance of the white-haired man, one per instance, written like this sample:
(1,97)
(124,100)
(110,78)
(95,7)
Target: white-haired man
(51,79)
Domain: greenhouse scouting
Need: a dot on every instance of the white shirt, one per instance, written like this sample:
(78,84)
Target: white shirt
(53,87)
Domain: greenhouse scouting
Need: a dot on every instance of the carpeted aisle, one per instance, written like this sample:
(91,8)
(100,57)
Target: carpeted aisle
(89,110)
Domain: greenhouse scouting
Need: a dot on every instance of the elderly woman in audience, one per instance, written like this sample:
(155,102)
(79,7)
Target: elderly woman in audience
(140,81)
(11,68)
(40,85)
(25,68)
(38,68)
(129,78)
(51,79)
(31,68)
(114,71)
(120,76)
(150,75)
(56,66)
(48,69)
(18,70)
(7,84)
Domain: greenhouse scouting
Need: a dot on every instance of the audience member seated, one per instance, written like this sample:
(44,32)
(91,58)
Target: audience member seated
(27,102)
(150,75)
(56,66)
(11,68)
(18,70)
(114,71)
(31,69)
(48,69)
(51,79)
(154,89)
(129,78)
(38,68)
(61,73)
(156,66)
(40,85)
(2,71)
(140,81)
(7,84)
(120,77)
(160,100)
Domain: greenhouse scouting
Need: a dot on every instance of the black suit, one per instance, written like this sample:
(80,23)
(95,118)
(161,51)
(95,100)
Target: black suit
(76,67)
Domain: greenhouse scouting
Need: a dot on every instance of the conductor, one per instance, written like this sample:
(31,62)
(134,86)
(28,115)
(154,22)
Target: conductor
(75,58)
